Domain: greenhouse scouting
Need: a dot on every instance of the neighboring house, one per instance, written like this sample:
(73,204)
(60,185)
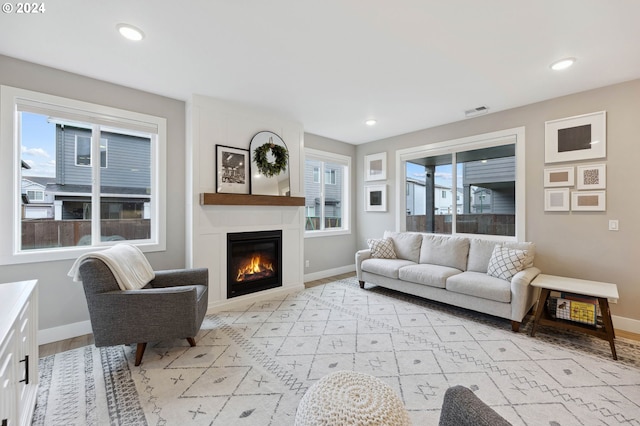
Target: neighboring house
(37,203)
(416,198)
(333,185)
(125,184)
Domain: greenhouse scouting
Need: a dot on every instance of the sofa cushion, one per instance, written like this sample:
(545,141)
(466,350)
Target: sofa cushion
(431,275)
(445,251)
(480,252)
(506,262)
(406,244)
(481,285)
(385,267)
(381,249)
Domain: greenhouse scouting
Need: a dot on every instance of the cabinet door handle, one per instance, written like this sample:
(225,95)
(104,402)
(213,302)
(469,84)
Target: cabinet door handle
(26,370)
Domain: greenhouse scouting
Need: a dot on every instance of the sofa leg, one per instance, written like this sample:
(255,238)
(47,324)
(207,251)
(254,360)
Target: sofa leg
(139,352)
(191,341)
(515,326)
(361,284)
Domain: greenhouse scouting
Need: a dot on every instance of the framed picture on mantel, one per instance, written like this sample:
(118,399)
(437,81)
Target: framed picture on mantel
(232,170)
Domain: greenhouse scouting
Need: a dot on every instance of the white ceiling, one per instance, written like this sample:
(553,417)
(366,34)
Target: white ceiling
(332,64)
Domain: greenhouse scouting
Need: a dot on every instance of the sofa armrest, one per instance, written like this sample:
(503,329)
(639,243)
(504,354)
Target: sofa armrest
(361,255)
(523,295)
(180,277)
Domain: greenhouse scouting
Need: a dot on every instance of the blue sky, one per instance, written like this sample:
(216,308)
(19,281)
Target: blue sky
(444,176)
(38,145)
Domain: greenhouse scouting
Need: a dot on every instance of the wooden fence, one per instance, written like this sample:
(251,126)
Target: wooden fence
(46,233)
(485,224)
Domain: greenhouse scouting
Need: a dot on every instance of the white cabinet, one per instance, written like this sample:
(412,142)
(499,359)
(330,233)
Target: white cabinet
(18,352)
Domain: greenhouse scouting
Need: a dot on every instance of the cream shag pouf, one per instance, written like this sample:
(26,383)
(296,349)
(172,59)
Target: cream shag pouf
(350,398)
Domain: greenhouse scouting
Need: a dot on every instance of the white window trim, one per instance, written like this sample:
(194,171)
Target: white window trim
(310,153)
(11,100)
(485,140)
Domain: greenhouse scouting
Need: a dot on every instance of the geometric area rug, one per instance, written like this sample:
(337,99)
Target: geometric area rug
(253,364)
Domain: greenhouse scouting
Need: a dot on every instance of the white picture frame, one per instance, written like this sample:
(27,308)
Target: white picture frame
(556,200)
(588,201)
(582,137)
(375,167)
(592,176)
(375,198)
(559,176)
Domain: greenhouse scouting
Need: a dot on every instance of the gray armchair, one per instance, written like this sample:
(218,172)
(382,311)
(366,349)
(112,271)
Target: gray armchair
(171,306)
(461,407)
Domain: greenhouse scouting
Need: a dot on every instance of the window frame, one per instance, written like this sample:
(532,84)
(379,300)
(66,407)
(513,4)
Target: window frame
(14,100)
(345,161)
(486,140)
(35,191)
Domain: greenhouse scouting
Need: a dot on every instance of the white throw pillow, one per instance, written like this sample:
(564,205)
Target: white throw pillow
(506,262)
(382,249)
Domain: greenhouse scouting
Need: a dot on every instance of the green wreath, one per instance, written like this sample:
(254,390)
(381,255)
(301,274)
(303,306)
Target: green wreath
(279,164)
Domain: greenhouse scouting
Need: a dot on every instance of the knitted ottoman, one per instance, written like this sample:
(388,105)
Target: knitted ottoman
(350,398)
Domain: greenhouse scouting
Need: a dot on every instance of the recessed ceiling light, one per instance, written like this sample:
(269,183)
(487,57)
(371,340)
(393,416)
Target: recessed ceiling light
(370,122)
(130,32)
(562,64)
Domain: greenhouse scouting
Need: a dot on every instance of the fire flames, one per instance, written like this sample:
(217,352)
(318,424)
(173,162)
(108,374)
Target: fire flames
(255,269)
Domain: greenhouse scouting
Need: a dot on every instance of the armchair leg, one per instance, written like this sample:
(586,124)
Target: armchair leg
(191,341)
(139,352)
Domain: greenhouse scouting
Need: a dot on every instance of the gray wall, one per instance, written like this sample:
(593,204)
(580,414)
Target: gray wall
(326,253)
(576,244)
(61,300)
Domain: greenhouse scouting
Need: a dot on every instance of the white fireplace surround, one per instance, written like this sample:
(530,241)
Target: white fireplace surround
(213,122)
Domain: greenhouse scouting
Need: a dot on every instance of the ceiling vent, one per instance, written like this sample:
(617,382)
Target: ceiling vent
(476,111)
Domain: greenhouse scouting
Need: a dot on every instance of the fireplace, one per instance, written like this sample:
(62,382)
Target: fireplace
(254,262)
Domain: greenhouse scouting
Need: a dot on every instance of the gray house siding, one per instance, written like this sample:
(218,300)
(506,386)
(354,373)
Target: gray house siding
(128,159)
(498,175)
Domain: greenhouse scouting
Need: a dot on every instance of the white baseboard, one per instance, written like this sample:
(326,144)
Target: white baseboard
(627,324)
(63,332)
(329,273)
(223,305)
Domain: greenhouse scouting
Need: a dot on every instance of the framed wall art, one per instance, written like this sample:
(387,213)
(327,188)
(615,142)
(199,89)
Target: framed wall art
(582,137)
(588,201)
(375,166)
(375,198)
(556,200)
(232,170)
(559,176)
(593,176)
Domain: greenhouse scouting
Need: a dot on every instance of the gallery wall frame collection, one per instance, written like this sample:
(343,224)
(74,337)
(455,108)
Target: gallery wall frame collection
(577,138)
(375,169)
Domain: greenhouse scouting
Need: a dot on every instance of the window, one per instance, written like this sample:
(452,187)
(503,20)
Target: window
(485,176)
(35,196)
(327,198)
(330,177)
(87,203)
(83,151)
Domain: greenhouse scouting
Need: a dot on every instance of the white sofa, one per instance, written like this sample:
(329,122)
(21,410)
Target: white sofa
(453,270)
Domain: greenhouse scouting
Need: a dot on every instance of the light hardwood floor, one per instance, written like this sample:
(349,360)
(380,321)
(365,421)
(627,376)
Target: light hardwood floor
(77,342)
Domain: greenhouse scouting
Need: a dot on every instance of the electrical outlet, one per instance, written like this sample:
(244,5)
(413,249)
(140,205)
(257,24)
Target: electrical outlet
(306,263)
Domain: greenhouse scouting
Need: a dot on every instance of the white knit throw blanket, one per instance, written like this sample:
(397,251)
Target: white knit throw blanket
(128,264)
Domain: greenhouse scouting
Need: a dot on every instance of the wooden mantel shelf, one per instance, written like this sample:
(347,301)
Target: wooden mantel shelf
(215,199)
